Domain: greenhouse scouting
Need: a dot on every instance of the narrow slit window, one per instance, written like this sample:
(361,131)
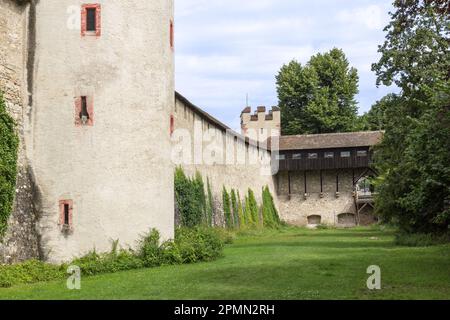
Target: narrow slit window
(84,111)
(345,154)
(66,214)
(313,155)
(84,114)
(172,125)
(297,156)
(91,19)
(172,36)
(328,155)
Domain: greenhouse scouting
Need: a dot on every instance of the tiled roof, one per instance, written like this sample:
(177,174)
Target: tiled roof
(331,140)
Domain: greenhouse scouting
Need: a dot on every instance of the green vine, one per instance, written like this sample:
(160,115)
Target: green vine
(9,143)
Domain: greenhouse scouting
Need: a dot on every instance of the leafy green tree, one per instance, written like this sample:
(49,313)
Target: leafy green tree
(235,209)
(227,208)
(209,204)
(241,213)
(375,118)
(9,143)
(199,189)
(318,97)
(413,159)
(251,209)
(269,211)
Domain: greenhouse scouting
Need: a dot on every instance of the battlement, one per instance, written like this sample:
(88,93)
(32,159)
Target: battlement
(261,120)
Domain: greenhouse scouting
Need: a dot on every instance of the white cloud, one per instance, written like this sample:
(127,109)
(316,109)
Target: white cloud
(228,48)
(371,17)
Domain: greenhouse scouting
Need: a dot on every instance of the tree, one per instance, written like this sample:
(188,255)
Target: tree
(251,209)
(269,211)
(227,208)
(413,159)
(209,204)
(235,209)
(318,97)
(241,213)
(375,118)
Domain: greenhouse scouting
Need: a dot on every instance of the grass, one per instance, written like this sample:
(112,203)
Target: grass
(292,263)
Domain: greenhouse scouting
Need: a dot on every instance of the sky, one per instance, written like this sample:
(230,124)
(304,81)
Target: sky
(226,49)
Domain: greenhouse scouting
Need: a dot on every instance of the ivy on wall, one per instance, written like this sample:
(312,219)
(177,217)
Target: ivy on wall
(9,143)
(196,206)
(190,197)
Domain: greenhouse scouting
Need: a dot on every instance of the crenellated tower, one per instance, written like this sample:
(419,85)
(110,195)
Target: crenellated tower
(261,124)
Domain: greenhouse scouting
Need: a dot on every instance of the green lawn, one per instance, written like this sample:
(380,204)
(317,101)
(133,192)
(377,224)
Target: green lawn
(292,263)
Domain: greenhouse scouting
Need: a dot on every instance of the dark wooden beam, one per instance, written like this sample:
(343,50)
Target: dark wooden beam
(321,182)
(289,182)
(337,181)
(304,179)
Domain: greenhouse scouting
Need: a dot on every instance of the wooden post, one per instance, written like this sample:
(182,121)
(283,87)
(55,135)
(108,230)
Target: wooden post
(337,181)
(321,182)
(304,178)
(289,182)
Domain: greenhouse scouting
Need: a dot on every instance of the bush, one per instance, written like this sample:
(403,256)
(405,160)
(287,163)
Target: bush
(421,239)
(198,244)
(8,165)
(116,260)
(150,251)
(29,272)
(190,245)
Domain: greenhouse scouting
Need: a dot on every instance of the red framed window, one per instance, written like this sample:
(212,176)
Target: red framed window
(66,213)
(84,111)
(172,35)
(91,20)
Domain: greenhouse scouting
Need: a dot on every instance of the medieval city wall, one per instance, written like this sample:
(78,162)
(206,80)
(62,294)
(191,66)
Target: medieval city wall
(333,208)
(21,240)
(239,175)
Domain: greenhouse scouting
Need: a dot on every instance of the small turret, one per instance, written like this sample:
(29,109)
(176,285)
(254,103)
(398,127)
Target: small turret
(261,125)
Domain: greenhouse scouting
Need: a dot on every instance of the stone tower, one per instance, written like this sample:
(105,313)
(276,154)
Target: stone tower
(101,89)
(260,125)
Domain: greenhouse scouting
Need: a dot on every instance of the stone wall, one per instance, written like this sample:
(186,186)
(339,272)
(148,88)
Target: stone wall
(21,241)
(295,208)
(246,171)
(115,172)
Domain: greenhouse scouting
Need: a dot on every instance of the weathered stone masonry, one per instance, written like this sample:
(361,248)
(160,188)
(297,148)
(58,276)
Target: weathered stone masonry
(22,240)
(239,175)
(115,172)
